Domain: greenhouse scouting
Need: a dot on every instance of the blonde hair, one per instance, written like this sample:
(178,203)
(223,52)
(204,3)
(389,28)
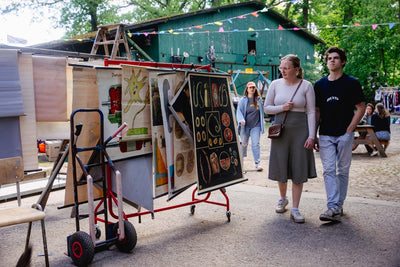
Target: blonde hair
(296,63)
(381,111)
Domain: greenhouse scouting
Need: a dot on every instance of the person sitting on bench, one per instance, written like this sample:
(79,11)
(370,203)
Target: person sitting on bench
(381,122)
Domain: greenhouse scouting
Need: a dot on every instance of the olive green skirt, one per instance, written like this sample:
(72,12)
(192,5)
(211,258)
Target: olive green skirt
(289,159)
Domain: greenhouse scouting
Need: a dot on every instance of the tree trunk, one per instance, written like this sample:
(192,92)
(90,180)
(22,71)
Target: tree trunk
(348,12)
(287,9)
(215,3)
(93,21)
(305,12)
(399,9)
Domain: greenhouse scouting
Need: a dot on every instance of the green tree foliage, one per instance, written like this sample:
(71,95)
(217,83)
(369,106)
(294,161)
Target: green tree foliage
(76,16)
(373,54)
(82,16)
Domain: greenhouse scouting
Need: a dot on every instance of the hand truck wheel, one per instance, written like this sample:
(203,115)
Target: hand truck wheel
(228,215)
(130,239)
(192,209)
(81,248)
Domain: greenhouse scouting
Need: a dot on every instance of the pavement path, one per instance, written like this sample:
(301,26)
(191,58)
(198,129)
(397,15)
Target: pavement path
(256,236)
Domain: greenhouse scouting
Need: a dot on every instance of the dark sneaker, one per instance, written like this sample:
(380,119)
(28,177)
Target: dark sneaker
(340,211)
(330,215)
(281,207)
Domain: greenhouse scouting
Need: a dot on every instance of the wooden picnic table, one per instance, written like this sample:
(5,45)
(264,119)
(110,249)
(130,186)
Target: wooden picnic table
(369,139)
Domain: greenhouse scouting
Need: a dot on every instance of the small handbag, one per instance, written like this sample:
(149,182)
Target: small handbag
(275,130)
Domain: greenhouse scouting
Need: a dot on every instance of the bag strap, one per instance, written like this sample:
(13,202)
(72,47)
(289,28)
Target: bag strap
(284,120)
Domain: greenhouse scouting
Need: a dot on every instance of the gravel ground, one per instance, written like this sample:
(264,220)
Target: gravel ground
(256,236)
(370,177)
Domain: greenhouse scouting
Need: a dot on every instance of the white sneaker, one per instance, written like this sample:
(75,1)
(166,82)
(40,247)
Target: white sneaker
(374,153)
(258,167)
(281,207)
(297,217)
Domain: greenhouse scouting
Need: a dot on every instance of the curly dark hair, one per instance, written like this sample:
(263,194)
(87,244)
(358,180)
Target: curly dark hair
(335,49)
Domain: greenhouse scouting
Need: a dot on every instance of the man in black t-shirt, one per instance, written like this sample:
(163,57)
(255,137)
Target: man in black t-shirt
(337,95)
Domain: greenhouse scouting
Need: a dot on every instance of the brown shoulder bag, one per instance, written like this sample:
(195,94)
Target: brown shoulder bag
(275,130)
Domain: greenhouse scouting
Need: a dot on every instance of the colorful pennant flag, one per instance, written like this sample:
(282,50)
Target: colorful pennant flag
(254,14)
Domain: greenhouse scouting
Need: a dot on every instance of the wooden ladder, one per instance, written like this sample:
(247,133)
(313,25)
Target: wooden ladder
(101,39)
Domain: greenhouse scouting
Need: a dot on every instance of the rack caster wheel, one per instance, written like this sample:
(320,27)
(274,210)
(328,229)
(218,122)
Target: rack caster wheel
(97,231)
(192,209)
(130,239)
(228,215)
(81,248)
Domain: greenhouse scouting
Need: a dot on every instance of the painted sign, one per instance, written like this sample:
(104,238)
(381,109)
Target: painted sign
(214,132)
(136,103)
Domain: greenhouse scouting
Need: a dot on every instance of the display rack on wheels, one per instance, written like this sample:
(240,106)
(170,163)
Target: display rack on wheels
(82,246)
(181,131)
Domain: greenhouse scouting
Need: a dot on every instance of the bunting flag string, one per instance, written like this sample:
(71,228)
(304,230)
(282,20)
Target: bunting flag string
(193,30)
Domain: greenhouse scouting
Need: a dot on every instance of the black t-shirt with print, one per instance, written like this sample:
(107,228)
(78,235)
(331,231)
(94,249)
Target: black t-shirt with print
(336,101)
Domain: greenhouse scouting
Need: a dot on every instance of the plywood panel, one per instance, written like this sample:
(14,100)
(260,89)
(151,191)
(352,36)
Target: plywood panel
(28,122)
(52,130)
(85,95)
(50,83)
(11,170)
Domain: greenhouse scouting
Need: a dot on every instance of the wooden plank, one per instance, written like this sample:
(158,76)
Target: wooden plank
(104,43)
(35,175)
(28,122)
(85,95)
(11,170)
(50,83)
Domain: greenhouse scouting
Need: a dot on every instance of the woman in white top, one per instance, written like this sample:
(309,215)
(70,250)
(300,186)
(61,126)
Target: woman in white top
(291,155)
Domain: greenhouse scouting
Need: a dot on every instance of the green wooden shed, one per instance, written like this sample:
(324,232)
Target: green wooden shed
(244,36)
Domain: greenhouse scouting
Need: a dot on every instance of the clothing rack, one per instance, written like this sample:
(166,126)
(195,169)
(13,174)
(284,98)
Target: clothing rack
(389,97)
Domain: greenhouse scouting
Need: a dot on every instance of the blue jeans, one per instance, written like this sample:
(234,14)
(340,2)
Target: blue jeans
(254,134)
(335,153)
(382,135)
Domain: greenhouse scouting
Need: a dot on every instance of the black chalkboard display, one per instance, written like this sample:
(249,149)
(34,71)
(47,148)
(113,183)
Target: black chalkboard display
(214,132)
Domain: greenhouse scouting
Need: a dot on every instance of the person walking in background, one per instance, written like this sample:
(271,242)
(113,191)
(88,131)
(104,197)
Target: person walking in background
(291,155)
(250,117)
(381,122)
(337,95)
